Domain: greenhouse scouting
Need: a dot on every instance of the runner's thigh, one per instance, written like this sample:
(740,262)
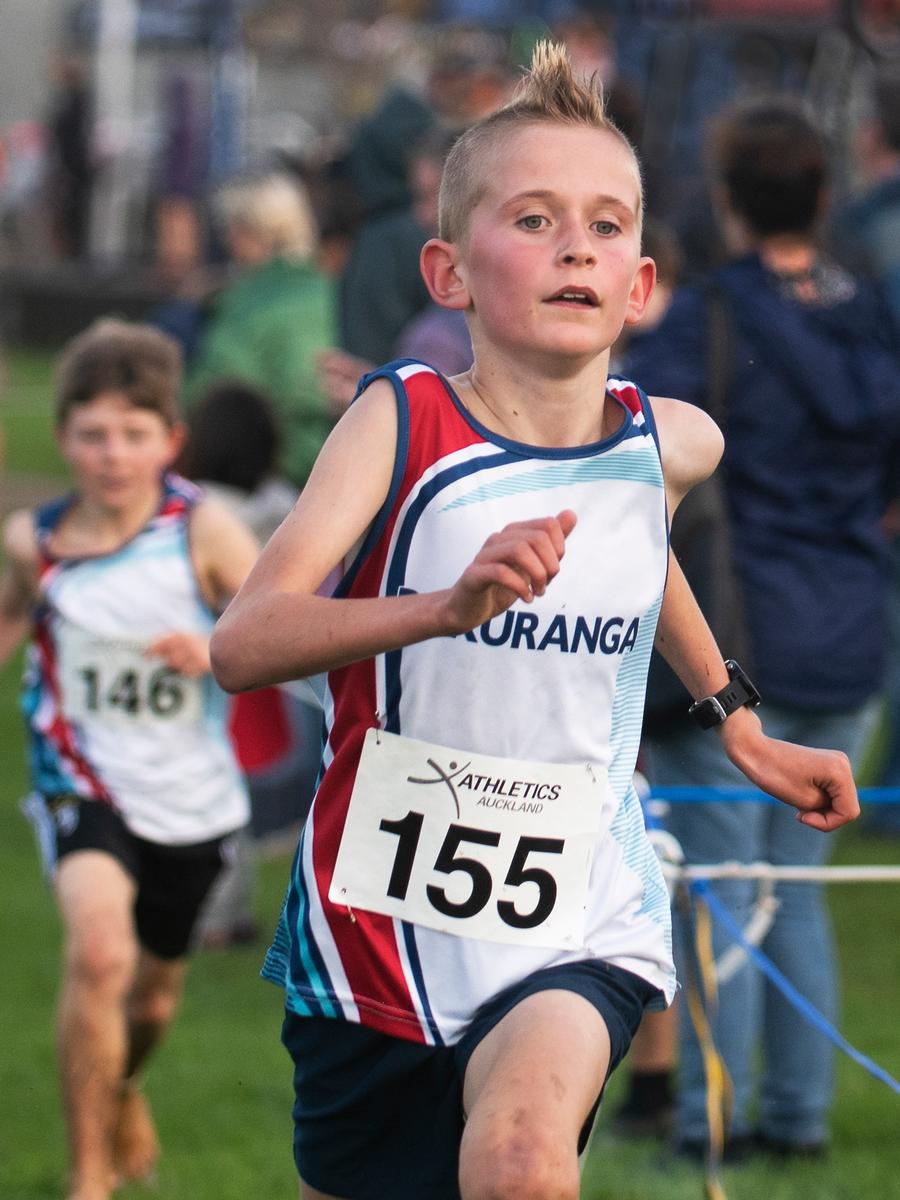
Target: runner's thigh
(529,1087)
(95,895)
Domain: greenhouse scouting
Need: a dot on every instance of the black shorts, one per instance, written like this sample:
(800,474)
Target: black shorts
(172,881)
(376,1116)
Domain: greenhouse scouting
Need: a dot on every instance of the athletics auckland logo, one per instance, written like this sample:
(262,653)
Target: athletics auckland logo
(453,772)
(493,791)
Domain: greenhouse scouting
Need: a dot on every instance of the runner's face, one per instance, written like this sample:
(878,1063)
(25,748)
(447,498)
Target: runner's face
(117,451)
(551,259)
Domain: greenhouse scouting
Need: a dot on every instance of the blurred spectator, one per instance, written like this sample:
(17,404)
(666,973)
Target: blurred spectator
(27,212)
(231,453)
(71,171)
(470,75)
(379,150)
(267,326)
(395,161)
(384,289)
(335,203)
(440,337)
(588,38)
(181,180)
(807,373)
(659,241)
(866,234)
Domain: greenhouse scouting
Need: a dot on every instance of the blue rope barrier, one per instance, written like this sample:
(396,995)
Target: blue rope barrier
(701,795)
(803,1006)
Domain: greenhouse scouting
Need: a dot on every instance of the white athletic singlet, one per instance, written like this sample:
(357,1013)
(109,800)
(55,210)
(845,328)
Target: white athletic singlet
(561,680)
(109,723)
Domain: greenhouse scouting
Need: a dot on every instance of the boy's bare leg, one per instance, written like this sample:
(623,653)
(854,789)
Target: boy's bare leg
(655,1045)
(151,1007)
(528,1090)
(647,1107)
(95,896)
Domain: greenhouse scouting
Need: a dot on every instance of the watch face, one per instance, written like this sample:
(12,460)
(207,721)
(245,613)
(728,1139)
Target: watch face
(708,712)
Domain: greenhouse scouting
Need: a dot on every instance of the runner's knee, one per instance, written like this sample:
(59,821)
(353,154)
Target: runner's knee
(101,962)
(518,1163)
(154,1007)
(157,991)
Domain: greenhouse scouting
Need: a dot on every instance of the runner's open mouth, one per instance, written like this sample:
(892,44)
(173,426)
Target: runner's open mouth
(574,296)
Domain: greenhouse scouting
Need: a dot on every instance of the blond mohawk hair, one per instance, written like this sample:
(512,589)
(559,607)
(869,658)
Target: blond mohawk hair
(550,93)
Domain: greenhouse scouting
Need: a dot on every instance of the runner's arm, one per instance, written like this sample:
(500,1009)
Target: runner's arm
(222,552)
(277,628)
(819,783)
(18,581)
(690,446)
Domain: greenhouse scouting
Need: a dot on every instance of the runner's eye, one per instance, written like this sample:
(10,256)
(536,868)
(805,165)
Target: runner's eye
(606,228)
(532,221)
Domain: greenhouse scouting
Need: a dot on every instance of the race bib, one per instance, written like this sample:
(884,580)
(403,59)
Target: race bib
(111,679)
(470,844)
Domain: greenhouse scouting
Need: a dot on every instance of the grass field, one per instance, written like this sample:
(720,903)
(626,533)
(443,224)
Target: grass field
(220,1086)
(25,410)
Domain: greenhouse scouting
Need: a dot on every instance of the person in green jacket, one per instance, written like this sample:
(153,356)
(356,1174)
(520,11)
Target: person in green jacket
(267,327)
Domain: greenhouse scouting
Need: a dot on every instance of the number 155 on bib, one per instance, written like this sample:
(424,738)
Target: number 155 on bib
(470,844)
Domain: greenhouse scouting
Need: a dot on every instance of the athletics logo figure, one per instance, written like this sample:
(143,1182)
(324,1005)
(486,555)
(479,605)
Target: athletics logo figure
(443,777)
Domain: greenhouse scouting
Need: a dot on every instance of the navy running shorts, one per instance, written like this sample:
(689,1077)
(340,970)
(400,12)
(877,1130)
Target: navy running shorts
(376,1116)
(172,881)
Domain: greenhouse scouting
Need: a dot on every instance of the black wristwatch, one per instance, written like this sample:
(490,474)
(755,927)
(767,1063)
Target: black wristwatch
(713,710)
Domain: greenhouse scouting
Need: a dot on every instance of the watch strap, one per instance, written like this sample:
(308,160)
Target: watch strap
(738,692)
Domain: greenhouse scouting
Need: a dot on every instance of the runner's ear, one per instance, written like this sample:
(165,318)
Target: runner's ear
(439,264)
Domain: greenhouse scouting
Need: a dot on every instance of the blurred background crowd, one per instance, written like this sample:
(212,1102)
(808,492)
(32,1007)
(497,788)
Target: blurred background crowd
(122,120)
(257,177)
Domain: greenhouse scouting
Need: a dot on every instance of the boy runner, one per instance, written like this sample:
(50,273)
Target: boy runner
(136,790)
(475,921)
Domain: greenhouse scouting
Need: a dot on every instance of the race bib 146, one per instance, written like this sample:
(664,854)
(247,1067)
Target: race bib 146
(492,848)
(113,680)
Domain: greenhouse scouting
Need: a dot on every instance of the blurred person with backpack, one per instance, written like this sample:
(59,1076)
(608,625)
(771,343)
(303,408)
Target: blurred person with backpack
(801,358)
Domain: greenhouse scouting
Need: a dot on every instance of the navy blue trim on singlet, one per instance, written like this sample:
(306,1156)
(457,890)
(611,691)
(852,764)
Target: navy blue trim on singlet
(412,951)
(298,969)
(397,568)
(393,658)
(646,408)
(377,528)
(526,450)
(49,515)
(650,418)
(46,518)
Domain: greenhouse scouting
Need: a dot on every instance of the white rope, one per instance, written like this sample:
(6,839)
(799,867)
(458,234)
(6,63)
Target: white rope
(671,858)
(762,870)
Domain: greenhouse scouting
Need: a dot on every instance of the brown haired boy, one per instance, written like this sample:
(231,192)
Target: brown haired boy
(136,791)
